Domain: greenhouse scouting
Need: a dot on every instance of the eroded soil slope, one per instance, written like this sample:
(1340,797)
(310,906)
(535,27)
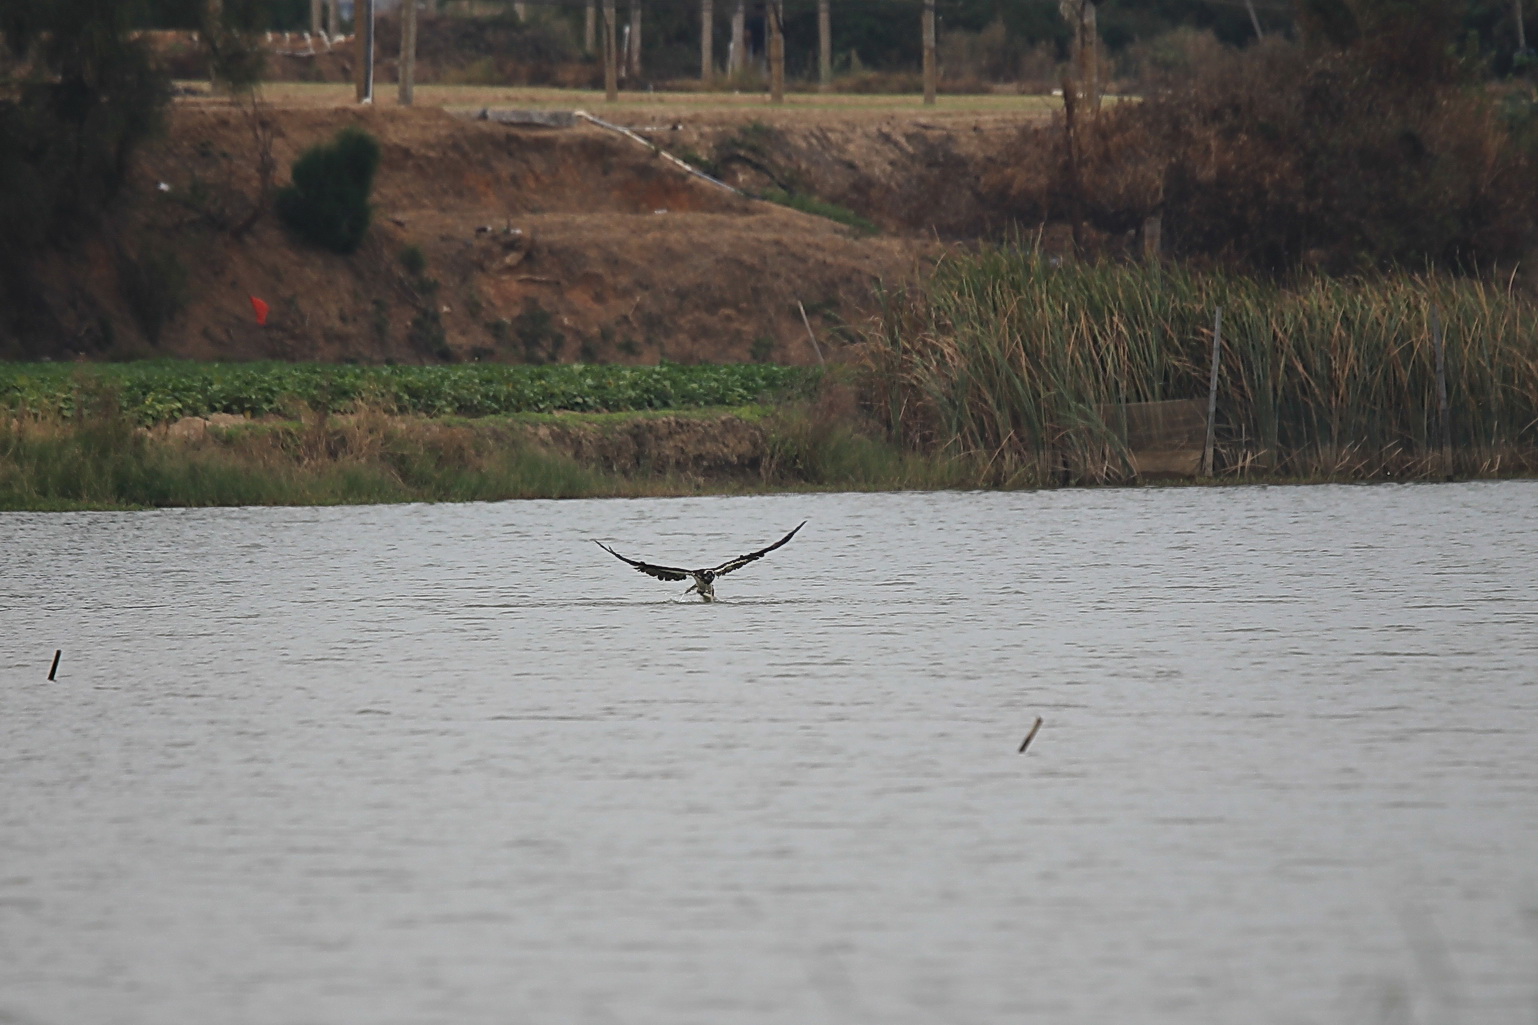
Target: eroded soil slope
(906,174)
(543,244)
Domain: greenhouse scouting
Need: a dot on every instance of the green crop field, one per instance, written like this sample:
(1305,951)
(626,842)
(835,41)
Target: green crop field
(159,391)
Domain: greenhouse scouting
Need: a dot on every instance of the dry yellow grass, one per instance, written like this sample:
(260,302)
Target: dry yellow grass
(798,107)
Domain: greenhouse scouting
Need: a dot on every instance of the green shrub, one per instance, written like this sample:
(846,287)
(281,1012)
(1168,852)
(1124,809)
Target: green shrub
(328,203)
(820,208)
(426,334)
(414,260)
(535,329)
(155,285)
(379,320)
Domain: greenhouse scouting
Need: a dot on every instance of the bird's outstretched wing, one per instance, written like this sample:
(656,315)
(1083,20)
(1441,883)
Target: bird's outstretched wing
(660,572)
(743,560)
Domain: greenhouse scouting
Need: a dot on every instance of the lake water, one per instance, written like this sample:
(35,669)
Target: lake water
(455,764)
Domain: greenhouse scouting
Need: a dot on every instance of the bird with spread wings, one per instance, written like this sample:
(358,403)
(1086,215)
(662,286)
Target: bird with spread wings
(704,579)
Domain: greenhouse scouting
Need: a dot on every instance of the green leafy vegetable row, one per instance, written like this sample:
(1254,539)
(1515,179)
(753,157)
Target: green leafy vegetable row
(159,390)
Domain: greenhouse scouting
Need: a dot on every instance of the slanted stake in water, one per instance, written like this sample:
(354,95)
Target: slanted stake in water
(1030,736)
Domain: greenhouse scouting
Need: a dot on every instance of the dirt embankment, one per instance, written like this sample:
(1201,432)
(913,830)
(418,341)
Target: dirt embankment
(539,243)
(909,175)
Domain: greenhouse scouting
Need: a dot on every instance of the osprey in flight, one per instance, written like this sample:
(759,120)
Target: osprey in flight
(704,579)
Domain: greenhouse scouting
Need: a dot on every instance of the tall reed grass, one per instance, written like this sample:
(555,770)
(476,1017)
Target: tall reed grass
(1021,365)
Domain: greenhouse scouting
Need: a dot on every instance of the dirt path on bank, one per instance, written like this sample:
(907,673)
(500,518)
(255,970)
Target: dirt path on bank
(569,243)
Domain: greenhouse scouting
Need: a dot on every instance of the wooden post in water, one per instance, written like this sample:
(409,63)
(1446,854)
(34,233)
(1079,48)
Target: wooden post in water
(55,669)
(610,54)
(1212,393)
(1444,421)
(1030,736)
(1075,191)
(931,73)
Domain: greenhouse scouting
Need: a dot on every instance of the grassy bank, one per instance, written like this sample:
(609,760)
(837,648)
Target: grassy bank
(101,458)
(1022,366)
(1005,371)
(662,105)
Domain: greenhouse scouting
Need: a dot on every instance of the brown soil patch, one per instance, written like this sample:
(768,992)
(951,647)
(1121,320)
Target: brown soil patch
(696,446)
(562,244)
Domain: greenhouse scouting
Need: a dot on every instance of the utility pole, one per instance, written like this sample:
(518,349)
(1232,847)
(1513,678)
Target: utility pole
(707,40)
(776,17)
(633,37)
(215,15)
(408,73)
(1080,15)
(590,26)
(737,53)
(930,73)
(1091,56)
(363,48)
(610,54)
(825,45)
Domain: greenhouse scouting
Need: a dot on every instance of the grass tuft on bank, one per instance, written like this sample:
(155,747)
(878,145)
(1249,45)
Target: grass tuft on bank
(101,458)
(809,204)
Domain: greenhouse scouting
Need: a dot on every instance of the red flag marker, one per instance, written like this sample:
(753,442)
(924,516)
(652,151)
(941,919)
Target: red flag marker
(261,310)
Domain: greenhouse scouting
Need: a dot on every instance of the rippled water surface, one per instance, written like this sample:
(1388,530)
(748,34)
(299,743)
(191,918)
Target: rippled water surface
(456,764)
